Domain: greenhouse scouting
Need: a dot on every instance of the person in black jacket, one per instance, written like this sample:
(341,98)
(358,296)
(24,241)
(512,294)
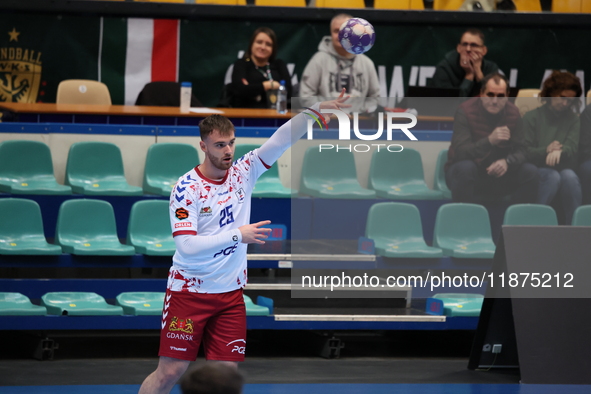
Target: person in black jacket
(256,77)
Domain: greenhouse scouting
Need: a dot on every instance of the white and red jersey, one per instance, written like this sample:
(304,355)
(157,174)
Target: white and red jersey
(202,206)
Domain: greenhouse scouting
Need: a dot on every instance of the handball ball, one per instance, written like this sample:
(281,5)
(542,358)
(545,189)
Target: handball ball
(357,36)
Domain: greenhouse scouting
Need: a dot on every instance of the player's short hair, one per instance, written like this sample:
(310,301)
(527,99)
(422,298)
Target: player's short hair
(212,378)
(215,122)
(475,32)
(497,77)
(339,16)
(268,31)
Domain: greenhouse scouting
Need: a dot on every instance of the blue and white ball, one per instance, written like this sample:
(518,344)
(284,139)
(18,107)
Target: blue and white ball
(357,36)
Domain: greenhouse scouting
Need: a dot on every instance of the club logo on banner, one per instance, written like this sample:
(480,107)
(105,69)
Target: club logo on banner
(20,71)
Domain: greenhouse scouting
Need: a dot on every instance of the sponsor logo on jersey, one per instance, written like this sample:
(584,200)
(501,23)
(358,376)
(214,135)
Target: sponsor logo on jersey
(183,224)
(224,193)
(227,251)
(183,325)
(225,200)
(240,195)
(181,213)
(205,211)
(239,346)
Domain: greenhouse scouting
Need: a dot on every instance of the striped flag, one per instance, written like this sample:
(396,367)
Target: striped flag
(150,53)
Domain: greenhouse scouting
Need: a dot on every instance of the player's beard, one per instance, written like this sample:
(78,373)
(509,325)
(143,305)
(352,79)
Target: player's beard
(219,163)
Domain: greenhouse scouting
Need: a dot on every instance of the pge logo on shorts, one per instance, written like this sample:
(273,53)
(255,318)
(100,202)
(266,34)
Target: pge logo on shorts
(239,346)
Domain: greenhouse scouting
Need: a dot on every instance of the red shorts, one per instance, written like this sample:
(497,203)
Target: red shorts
(219,320)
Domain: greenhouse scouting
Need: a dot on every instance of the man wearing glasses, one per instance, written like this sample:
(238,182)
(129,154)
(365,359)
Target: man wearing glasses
(487,153)
(465,67)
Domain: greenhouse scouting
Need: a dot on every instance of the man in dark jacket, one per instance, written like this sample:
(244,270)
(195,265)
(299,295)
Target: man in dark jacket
(465,67)
(487,152)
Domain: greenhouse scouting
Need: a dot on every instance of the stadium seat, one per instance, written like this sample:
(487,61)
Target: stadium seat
(569,6)
(141,303)
(269,184)
(281,3)
(21,229)
(589,91)
(164,94)
(149,228)
(221,2)
(253,309)
(447,5)
(439,182)
(528,5)
(331,174)
(396,231)
(17,304)
(96,168)
(582,216)
(26,168)
(399,176)
(460,304)
(463,231)
(399,4)
(527,99)
(78,304)
(530,215)
(340,3)
(87,227)
(165,163)
(83,91)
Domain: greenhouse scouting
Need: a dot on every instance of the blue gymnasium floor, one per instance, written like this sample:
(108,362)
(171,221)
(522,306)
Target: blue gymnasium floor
(327,389)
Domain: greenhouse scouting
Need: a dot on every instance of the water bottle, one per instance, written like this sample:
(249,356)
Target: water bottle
(185,96)
(282,98)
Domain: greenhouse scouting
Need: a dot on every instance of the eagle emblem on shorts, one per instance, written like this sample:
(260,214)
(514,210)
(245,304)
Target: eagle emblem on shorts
(184,325)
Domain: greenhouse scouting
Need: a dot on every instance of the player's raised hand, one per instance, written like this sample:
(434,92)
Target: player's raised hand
(337,103)
(253,233)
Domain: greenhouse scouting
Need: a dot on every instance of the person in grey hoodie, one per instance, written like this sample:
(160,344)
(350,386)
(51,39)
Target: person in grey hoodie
(332,68)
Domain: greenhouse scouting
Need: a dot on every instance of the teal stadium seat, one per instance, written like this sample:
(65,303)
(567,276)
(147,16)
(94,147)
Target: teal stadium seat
(397,231)
(253,309)
(21,229)
(331,174)
(149,228)
(26,168)
(17,304)
(530,215)
(165,164)
(78,303)
(399,176)
(87,227)
(440,183)
(582,216)
(141,303)
(463,231)
(461,304)
(96,168)
(269,184)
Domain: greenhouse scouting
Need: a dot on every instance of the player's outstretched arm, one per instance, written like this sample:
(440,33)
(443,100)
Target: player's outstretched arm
(292,131)
(253,233)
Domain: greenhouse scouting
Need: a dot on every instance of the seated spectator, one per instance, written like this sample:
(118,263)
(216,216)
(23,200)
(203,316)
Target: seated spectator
(552,139)
(213,378)
(256,77)
(465,67)
(332,68)
(487,155)
(585,154)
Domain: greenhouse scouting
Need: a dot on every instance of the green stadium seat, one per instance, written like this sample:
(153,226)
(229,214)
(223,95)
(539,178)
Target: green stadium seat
(149,228)
(530,215)
(582,216)
(141,303)
(461,304)
(253,309)
(331,174)
(463,231)
(87,227)
(17,304)
(440,182)
(399,176)
(26,168)
(96,168)
(165,164)
(21,229)
(397,231)
(269,184)
(78,303)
